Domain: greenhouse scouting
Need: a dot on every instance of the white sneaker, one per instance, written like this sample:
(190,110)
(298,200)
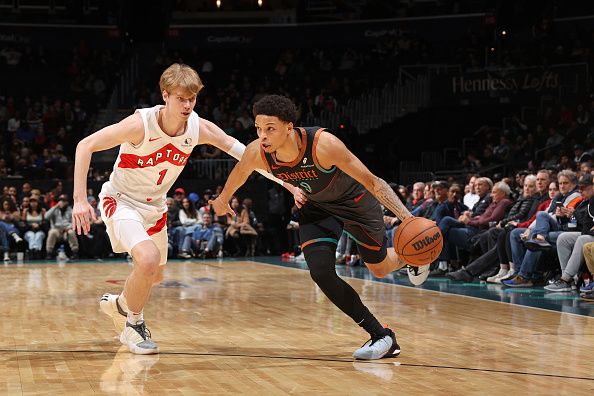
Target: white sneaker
(301,257)
(109,305)
(379,348)
(497,277)
(138,339)
(417,275)
(508,275)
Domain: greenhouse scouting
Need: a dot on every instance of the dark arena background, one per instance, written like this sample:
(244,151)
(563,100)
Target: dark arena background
(483,106)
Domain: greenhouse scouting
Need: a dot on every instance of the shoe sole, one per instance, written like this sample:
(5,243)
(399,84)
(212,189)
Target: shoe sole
(136,350)
(109,308)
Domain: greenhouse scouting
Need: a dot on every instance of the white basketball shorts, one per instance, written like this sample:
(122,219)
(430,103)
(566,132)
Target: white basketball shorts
(130,222)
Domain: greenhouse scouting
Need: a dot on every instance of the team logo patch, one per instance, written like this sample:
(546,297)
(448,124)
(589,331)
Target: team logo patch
(109,206)
(304,160)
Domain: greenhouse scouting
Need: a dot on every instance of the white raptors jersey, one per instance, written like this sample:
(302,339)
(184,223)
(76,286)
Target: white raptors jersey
(146,172)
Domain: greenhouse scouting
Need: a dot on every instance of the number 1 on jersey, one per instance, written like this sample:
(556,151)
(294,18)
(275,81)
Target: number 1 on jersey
(161,176)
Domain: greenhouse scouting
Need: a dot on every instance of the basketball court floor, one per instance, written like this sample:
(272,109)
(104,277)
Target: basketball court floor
(262,327)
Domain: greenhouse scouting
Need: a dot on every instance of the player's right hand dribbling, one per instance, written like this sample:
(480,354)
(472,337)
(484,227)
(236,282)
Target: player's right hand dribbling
(82,214)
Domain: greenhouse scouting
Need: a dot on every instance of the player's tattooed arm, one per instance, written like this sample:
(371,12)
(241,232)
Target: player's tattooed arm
(332,151)
(387,197)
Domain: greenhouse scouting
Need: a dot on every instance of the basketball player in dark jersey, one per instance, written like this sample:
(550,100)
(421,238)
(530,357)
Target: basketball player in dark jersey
(339,193)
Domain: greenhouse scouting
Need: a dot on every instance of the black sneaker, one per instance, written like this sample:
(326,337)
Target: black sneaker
(379,348)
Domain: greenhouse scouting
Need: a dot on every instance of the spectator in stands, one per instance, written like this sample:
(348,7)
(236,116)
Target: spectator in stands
(428,206)
(417,196)
(495,242)
(60,219)
(554,138)
(208,238)
(451,207)
(580,155)
(570,244)
(178,195)
(560,220)
(471,197)
(249,227)
(234,225)
(460,232)
(524,260)
(9,233)
(34,221)
(188,217)
(173,225)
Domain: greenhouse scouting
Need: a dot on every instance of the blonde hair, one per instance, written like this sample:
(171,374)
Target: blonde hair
(181,76)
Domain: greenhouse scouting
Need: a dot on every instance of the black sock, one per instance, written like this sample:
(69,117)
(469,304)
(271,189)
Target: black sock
(372,325)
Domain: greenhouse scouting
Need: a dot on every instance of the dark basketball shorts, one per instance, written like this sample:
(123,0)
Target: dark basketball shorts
(365,226)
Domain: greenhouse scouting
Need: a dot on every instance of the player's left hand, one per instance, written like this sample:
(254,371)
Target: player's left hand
(299,196)
(220,207)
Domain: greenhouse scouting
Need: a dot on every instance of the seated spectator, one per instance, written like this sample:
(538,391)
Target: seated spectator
(560,219)
(34,220)
(249,227)
(233,226)
(525,260)
(188,217)
(428,206)
(495,242)
(570,244)
(207,239)
(9,218)
(452,206)
(416,198)
(60,219)
(173,226)
(483,187)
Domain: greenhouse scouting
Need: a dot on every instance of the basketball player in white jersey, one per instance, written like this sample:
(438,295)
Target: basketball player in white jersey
(155,144)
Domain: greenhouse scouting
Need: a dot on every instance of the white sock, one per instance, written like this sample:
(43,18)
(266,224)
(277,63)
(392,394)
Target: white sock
(6,256)
(443,265)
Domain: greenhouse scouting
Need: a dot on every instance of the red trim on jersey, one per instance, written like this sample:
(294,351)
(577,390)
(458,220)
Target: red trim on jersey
(168,153)
(158,225)
(301,152)
(109,206)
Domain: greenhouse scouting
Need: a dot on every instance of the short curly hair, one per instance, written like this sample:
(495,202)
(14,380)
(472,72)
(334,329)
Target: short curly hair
(276,106)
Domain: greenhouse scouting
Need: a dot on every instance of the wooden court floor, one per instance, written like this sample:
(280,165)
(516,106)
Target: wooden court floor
(239,327)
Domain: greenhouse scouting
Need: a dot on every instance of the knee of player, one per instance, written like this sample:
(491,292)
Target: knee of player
(148,261)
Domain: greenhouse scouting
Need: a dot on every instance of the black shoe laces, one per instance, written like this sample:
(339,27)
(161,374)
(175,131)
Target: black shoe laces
(142,330)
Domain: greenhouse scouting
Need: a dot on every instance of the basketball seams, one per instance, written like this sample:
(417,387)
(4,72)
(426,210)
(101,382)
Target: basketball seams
(431,251)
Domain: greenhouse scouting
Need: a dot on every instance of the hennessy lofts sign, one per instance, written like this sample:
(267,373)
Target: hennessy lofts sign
(510,85)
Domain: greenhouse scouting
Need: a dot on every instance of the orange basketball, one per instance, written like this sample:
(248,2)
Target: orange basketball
(418,241)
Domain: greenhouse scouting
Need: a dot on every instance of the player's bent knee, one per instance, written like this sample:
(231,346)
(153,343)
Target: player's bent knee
(320,259)
(146,258)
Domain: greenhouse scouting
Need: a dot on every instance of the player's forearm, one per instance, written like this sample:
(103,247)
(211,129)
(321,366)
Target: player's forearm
(236,151)
(81,169)
(387,197)
(236,179)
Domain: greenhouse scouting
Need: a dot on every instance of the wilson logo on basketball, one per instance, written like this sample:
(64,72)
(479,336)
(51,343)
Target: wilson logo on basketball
(109,206)
(426,242)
